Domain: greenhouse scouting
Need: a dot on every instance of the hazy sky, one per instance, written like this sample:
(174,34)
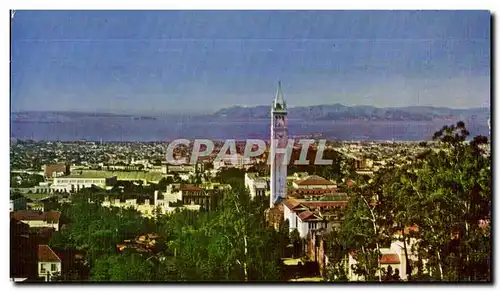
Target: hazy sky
(200,61)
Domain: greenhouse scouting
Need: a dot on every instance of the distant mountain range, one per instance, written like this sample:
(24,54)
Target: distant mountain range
(342,112)
(67,116)
(319,112)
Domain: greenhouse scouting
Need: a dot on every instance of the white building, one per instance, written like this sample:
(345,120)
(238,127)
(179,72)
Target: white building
(151,208)
(49,263)
(74,183)
(307,216)
(393,256)
(256,185)
(387,258)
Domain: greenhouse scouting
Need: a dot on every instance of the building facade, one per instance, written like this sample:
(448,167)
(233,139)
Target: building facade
(256,185)
(49,263)
(279,140)
(77,182)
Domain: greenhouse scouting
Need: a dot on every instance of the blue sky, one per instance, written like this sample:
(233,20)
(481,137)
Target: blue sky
(200,61)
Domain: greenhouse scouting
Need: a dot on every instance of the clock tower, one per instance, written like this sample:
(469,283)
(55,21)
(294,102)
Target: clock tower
(279,139)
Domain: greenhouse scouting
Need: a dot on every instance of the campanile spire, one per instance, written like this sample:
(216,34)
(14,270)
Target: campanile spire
(279,100)
(279,140)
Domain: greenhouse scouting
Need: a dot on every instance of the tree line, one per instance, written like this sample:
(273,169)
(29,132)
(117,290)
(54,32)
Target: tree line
(443,194)
(233,243)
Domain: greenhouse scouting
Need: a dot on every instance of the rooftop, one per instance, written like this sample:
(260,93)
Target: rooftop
(49,216)
(190,188)
(46,254)
(91,175)
(55,168)
(307,215)
(314,180)
(291,203)
(389,259)
(314,191)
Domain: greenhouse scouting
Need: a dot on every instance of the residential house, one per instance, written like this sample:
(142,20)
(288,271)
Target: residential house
(38,219)
(49,263)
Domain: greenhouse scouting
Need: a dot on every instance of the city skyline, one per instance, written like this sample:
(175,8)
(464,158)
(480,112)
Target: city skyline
(202,61)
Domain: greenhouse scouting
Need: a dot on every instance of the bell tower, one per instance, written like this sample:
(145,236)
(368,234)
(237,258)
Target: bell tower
(279,139)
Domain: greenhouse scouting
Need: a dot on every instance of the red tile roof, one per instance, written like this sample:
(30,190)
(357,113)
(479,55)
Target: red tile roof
(325,204)
(48,216)
(46,254)
(55,168)
(291,203)
(408,229)
(190,188)
(316,191)
(389,259)
(314,181)
(306,215)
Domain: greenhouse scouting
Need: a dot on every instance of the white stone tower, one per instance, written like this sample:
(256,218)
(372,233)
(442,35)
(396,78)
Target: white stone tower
(279,139)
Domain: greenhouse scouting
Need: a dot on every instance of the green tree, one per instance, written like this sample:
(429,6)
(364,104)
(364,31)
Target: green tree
(124,267)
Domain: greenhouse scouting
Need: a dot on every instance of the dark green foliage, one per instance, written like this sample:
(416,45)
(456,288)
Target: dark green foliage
(446,192)
(124,267)
(23,180)
(231,244)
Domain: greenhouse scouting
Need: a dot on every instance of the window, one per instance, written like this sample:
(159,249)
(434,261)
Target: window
(42,269)
(53,267)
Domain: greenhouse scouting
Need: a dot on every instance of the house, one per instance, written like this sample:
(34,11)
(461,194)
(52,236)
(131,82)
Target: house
(392,256)
(49,263)
(388,257)
(37,218)
(308,221)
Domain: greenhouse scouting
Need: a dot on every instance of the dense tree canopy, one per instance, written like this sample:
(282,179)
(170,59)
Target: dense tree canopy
(231,243)
(445,192)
